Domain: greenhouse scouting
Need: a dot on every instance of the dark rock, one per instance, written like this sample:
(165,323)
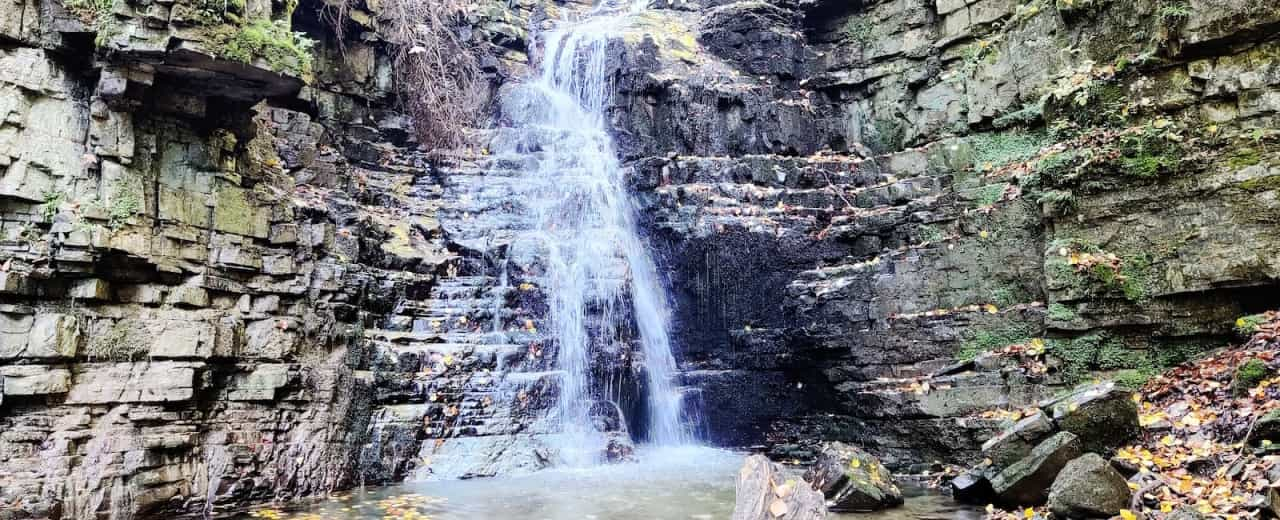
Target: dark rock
(1016,442)
(766,492)
(1088,487)
(972,487)
(1102,415)
(1026,482)
(1266,429)
(852,479)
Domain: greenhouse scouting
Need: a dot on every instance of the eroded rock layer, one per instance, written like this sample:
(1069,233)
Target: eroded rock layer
(880,222)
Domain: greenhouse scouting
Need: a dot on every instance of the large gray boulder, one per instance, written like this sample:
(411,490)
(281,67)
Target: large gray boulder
(1026,482)
(852,479)
(1103,416)
(766,492)
(1088,487)
(1017,441)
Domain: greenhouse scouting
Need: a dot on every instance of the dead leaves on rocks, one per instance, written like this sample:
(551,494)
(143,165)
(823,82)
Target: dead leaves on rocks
(1192,453)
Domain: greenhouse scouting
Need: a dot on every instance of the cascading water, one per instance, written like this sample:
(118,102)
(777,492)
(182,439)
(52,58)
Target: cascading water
(586,237)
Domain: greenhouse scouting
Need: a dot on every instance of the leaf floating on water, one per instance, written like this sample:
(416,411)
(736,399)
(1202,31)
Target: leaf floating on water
(778,508)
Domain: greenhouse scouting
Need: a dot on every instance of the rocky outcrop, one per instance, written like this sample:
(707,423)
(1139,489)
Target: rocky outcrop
(941,199)
(196,247)
(1022,461)
(229,280)
(1027,481)
(765,491)
(852,480)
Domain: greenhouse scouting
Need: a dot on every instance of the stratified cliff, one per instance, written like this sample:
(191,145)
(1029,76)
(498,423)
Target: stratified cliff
(856,200)
(230,275)
(205,206)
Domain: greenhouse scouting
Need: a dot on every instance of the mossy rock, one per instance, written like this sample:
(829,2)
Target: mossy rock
(1104,416)
(852,479)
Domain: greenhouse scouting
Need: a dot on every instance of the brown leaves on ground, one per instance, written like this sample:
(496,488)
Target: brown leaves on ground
(1192,452)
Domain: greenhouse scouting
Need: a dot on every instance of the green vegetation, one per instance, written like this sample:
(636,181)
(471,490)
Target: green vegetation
(931,234)
(1247,325)
(1133,379)
(283,50)
(1097,351)
(1060,312)
(216,12)
(1091,269)
(1149,152)
(53,199)
(1102,351)
(887,136)
(973,56)
(96,14)
(1248,375)
(125,203)
(858,29)
(991,151)
(1057,202)
(1026,116)
(989,195)
(89,10)
(1174,14)
(977,341)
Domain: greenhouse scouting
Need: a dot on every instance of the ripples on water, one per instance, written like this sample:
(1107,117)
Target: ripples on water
(685,483)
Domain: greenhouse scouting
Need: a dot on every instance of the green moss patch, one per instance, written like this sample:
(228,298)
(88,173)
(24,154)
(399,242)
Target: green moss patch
(274,42)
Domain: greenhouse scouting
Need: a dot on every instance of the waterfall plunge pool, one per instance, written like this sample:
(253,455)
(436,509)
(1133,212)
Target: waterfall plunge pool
(682,483)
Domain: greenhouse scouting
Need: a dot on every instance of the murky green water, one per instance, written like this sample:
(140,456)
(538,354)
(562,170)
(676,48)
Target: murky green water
(671,484)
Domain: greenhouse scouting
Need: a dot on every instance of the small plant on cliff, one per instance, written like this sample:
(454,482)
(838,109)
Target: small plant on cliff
(1173,14)
(89,11)
(438,76)
(215,12)
(52,200)
(125,203)
(284,51)
(96,14)
(1247,325)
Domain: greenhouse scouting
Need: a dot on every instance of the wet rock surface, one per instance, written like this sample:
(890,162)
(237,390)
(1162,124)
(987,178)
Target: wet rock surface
(766,491)
(852,479)
(225,284)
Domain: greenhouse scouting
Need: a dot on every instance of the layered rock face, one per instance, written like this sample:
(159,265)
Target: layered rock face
(201,250)
(227,282)
(884,220)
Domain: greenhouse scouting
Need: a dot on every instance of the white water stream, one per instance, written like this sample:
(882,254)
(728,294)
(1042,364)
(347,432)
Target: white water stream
(595,259)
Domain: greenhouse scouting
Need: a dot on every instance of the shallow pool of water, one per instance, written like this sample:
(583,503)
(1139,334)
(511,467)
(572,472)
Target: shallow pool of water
(669,484)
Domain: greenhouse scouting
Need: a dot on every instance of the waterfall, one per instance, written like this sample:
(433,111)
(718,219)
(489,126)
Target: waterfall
(585,235)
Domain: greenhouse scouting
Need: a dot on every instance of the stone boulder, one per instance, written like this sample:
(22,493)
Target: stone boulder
(972,487)
(1017,441)
(1088,487)
(766,492)
(1266,429)
(852,479)
(1103,416)
(1026,482)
